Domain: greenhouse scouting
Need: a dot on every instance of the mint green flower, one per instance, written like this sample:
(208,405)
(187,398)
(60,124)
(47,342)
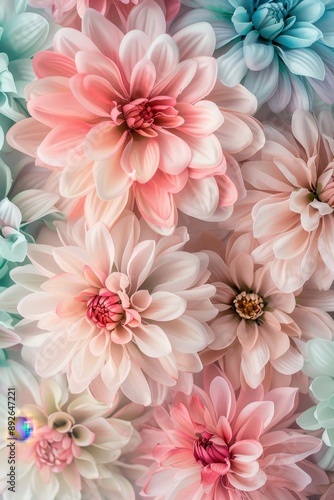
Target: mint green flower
(320,354)
(22,34)
(17,216)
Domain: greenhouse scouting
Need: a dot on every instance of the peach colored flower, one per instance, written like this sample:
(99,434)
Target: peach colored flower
(214,445)
(125,309)
(148,123)
(260,331)
(291,200)
(74,442)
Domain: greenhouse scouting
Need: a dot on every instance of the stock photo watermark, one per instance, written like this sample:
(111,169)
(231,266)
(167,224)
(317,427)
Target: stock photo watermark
(19,428)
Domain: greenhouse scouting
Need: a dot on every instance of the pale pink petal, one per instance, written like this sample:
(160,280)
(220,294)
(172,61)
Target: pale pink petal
(206,194)
(132,158)
(135,386)
(236,98)
(152,340)
(26,135)
(111,180)
(105,68)
(147,17)
(143,78)
(176,80)
(103,140)
(196,40)
(155,205)
(225,329)
(201,119)
(59,144)
(33,306)
(54,354)
(100,247)
(68,41)
(132,49)
(234,135)
(186,334)
(47,64)
(165,306)
(165,55)
(290,362)
(304,128)
(175,153)
(94,93)
(100,31)
(53,108)
(140,263)
(205,151)
(77,178)
(202,82)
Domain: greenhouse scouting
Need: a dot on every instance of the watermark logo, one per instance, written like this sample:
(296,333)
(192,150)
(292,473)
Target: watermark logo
(23,428)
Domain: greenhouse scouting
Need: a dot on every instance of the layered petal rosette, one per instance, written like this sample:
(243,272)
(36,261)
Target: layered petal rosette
(214,445)
(282,51)
(133,115)
(73,442)
(290,197)
(260,331)
(124,309)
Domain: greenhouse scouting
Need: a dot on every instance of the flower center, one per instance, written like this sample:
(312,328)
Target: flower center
(248,305)
(269,19)
(144,115)
(105,310)
(54,452)
(138,114)
(207,452)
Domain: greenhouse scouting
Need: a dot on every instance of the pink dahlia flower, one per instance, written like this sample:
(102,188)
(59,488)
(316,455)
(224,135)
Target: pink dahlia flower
(291,198)
(70,12)
(214,445)
(148,123)
(260,331)
(73,444)
(122,309)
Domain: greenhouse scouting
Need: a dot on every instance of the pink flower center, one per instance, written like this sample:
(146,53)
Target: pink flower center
(141,114)
(207,452)
(54,450)
(248,305)
(138,115)
(105,310)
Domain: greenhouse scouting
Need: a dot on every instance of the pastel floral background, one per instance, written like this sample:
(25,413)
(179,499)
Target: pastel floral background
(167,249)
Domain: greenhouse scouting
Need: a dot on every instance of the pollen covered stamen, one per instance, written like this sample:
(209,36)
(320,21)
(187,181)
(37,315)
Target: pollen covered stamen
(105,310)
(248,305)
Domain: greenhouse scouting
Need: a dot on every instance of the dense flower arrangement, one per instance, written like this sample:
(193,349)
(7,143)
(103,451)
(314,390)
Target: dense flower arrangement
(167,250)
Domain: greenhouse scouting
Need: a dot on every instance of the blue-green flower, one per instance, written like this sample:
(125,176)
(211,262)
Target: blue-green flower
(281,51)
(22,34)
(320,362)
(18,214)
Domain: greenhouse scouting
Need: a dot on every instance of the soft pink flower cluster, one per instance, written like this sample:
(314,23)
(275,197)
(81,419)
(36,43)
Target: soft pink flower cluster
(156,327)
